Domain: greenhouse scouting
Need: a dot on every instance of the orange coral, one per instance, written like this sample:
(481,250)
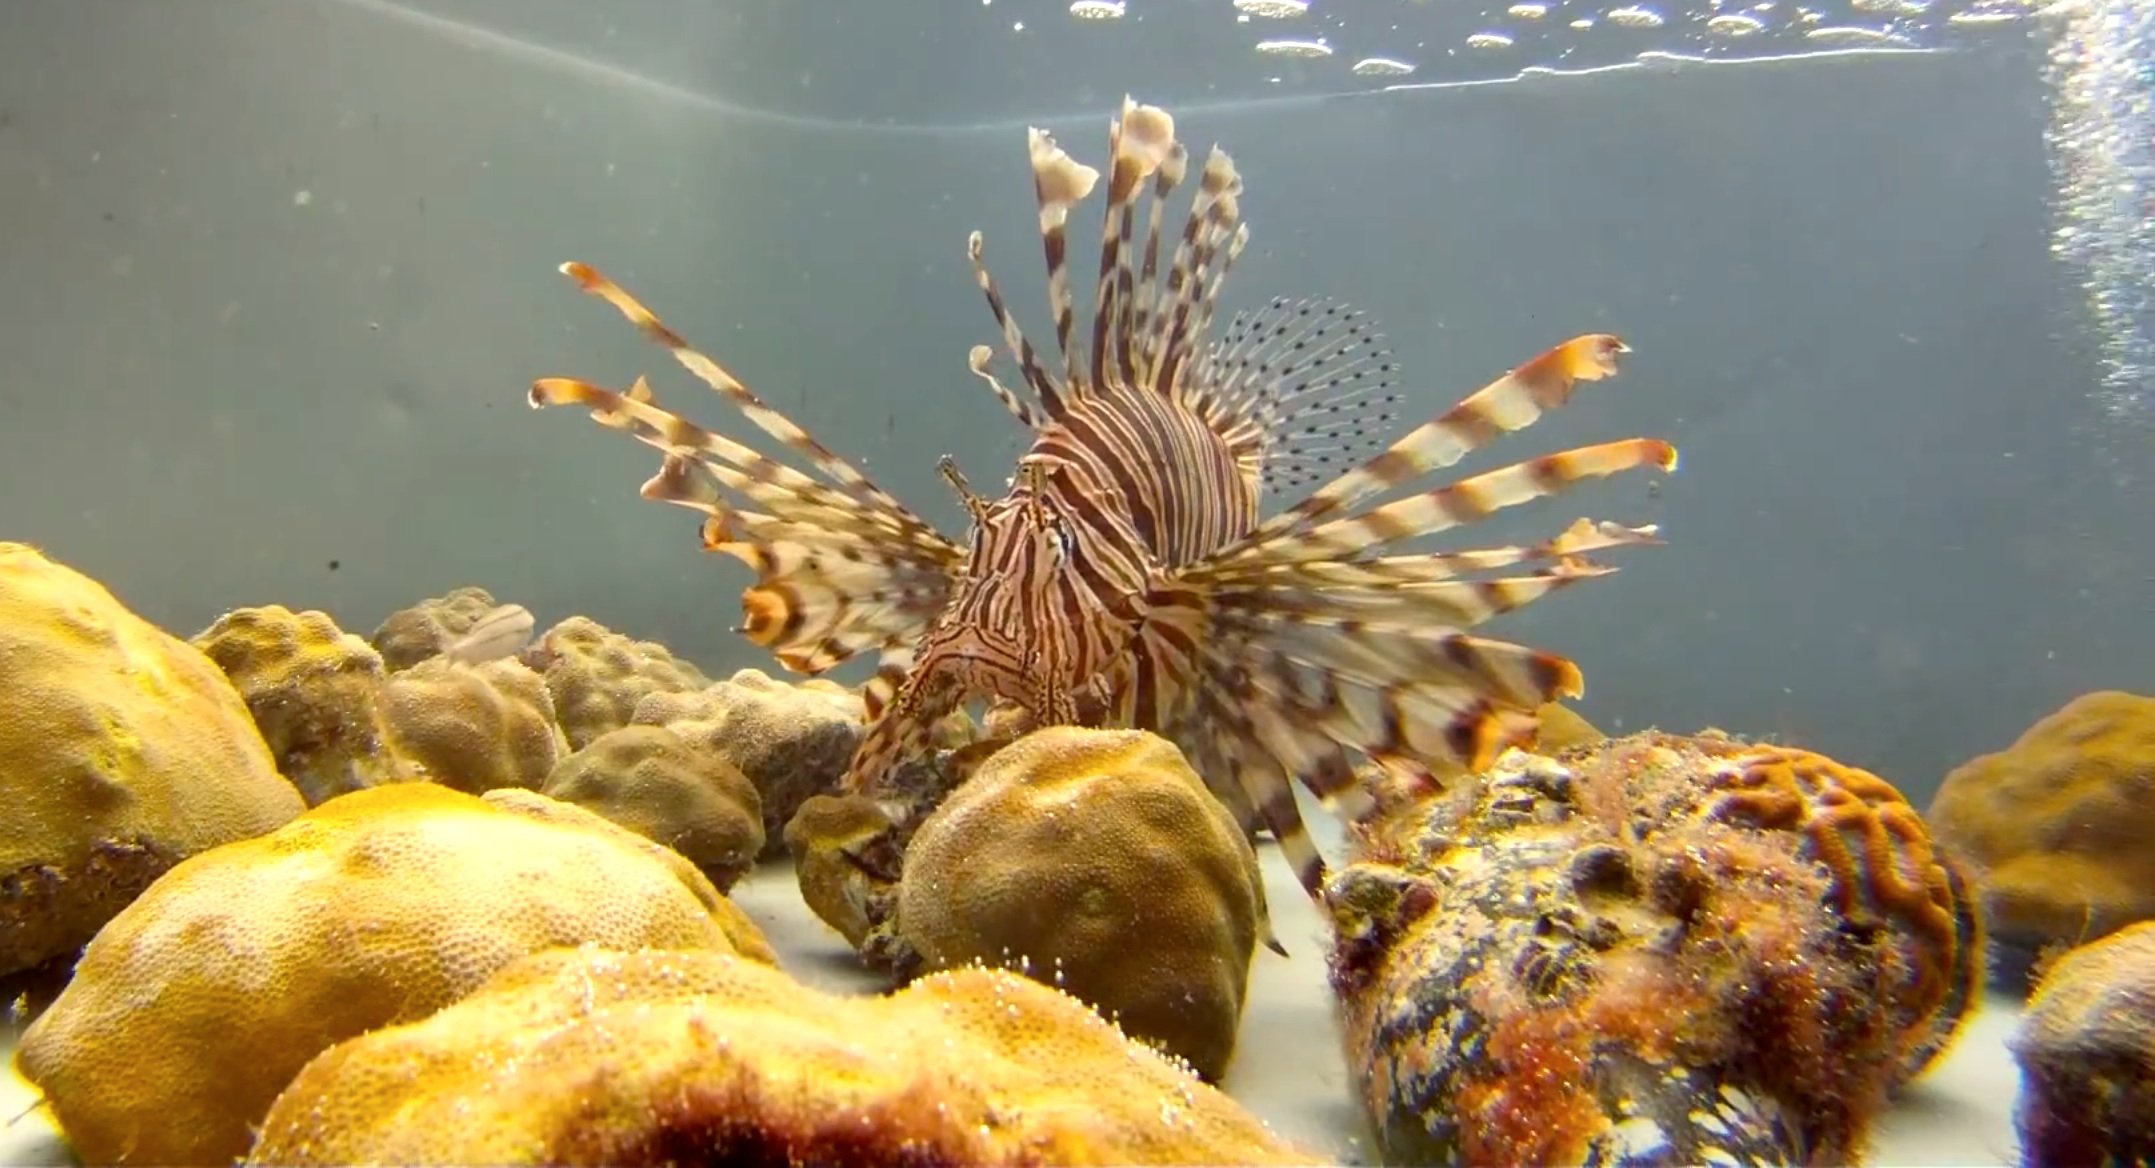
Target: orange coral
(1876,849)
(1652,949)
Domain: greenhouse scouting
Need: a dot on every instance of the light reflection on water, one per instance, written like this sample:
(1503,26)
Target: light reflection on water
(2102,143)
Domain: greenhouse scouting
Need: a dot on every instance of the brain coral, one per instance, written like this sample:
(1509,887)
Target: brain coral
(1653,950)
(122,750)
(588,1057)
(1097,860)
(2058,823)
(197,1004)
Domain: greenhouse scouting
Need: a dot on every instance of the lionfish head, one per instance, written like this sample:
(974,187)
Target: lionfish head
(1004,631)
(1022,541)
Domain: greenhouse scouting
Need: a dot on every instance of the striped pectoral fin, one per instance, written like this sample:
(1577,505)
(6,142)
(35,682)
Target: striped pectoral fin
(826,589)
(747,473)
(904,704)
(1222,749)
(845,475)
(1510,403)
(1459,504)
(1292,690)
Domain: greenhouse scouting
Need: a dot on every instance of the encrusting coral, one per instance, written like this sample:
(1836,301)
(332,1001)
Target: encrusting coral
(2057,824)
(663,788)
(199,1001)
(1095,860)
(122,751)
(2087,1055)
(1671,949)
(315,693)
(581,1056)
(597,676)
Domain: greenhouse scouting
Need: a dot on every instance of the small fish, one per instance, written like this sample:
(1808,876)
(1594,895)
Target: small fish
(502,632)
(1128,577)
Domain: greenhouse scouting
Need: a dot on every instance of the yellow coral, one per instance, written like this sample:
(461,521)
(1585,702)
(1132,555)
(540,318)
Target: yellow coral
(1095,859)
(2058,822)
(314,691)
(196,1004)
(474,727)
(655,784)
(588,1057)
(122,750)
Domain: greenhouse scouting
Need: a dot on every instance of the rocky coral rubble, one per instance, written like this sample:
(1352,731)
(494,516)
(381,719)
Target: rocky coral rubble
(1657,949)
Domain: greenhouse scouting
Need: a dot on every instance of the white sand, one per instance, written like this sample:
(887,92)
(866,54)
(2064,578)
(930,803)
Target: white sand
(1289,1068)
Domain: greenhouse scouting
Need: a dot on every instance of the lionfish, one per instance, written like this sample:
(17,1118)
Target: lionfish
(1126,577)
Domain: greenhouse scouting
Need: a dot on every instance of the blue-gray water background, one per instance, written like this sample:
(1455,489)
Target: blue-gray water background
(277,274)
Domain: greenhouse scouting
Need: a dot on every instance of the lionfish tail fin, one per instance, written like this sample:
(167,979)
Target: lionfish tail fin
(841,567)
(1323,647)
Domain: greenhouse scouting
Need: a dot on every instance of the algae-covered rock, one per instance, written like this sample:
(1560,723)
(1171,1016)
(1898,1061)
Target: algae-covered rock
(1095,860)
(847,856)
(1654,950)
(314,691)
(597,676)
(792,741)
(425,629)
(587,1057)
(655,784)
(475,728)
(2087,1055)
(2057,824)
(122,750)
(196,1004)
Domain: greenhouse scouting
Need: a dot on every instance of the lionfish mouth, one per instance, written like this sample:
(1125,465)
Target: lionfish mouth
(1277,650)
